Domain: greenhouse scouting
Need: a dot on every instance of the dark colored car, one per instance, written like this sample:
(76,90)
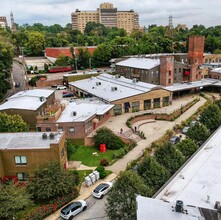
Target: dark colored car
(17,84)
(70,94)
(54,86)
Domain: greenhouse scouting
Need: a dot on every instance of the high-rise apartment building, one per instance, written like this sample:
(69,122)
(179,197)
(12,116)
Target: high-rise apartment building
(3,22)
(108,16)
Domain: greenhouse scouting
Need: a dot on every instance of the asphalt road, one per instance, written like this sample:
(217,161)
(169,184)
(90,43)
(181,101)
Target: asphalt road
(94,211)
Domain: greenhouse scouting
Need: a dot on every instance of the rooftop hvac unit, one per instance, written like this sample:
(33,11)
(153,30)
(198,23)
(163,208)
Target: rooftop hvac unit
(98,83)
(51,136)
(135,80)
(74,113)
(44,136)
(41,99)
(112,88)
(179,206)
(117,76)
(115,88)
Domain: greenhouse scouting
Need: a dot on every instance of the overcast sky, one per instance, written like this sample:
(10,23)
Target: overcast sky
(48,12)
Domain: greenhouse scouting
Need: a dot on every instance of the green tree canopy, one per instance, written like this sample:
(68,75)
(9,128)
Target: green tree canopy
(170,157)
(62,61)
(106,136)
(153,174)
(187,147)
(50,181)
(211,117)
(12,199)
(121,201)
(12,123)
(198,133)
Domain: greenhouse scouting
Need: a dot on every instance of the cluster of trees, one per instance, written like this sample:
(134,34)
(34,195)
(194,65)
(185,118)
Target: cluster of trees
(6,55)
(151,172)
(113,42)
(47,183)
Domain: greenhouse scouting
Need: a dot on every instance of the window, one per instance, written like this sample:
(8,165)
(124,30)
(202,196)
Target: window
(20,160)
(71,129)
(169,81)
(22,176)
(174,70)
(48,129)
(169,72)
(60,129)
(179,70)
(135,106)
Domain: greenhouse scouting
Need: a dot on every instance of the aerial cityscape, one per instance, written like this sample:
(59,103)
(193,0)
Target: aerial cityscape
(110,110)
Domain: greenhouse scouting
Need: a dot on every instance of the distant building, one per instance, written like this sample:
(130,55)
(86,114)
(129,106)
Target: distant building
(108,16)
(52,53)
(22,152)
(3,22)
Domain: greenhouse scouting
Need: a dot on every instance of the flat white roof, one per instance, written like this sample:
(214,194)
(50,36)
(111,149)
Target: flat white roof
(216,70)
(26,103)
(155,209)
(111,88)
(33,93)
(191,85)
(199,182)
(83,111)
(141,63)
(27,140)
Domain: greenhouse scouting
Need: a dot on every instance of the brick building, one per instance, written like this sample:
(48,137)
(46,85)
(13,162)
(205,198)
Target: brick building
(77,119)
(52,53)
(166,69)
(127,95)
(21,153)
(3,22)
(28,104)
(106,15)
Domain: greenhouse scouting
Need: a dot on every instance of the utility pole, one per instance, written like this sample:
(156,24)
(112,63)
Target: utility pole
(90,62)
(76,62)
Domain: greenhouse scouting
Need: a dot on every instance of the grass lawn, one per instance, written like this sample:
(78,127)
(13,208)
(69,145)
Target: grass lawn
(85,154)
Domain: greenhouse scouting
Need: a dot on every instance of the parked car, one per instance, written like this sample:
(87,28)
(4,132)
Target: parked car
(59,87)
(193,123)
(102,189)
(17,84)
(185,129)
(174,140)
(73,72)
(72,209)
(69,94)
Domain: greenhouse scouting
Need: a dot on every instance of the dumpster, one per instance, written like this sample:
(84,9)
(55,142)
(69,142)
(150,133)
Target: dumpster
(103,148)
(88,181)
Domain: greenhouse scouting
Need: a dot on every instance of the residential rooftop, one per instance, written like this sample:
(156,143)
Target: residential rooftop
(27,140)
(198,183)
(33,93)
(155,209)
(111,88)
(82,110)
(26,103)
(141,63)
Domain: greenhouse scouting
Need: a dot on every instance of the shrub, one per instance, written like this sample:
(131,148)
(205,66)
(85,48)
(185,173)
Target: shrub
(119,153)
(101,171)
(104,162)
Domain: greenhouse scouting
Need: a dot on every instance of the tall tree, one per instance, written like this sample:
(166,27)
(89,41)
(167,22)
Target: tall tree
(187,147)
(12,123)
(50,181)
(153,174)
(12,199)
(211,117)
(170,157)
(121,201)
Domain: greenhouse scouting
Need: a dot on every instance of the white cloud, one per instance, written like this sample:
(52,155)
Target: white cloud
(50,12)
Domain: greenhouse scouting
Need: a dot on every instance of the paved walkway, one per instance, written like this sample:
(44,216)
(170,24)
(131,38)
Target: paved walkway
(152,131)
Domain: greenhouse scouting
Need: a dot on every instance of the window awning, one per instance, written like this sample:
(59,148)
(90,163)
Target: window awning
(127,104)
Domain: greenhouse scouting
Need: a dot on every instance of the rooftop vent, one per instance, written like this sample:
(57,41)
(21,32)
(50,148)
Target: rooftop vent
(51,136)
(113,88)
(44,136)
(98,83)
(135,80)
(41,99)
(179,206)
(74,113)
(117,76)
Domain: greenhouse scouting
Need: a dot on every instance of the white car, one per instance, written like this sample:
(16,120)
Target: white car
(102,189)
(185,129)
(61,87)
(72,209)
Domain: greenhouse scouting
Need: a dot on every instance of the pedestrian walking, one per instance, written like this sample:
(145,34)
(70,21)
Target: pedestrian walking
(135,129)
(121,131)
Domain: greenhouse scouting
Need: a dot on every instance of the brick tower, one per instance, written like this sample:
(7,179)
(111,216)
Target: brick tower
(195,56)
(166,70)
